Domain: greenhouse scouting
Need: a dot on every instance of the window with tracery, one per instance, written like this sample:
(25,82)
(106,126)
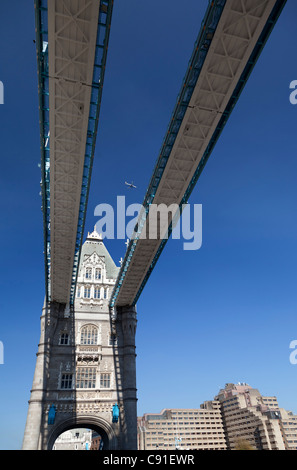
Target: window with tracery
(64,338)
(105,380)
(66,381)
(86,377)
(97,293)
(88,273)
(89,335)
(87,292)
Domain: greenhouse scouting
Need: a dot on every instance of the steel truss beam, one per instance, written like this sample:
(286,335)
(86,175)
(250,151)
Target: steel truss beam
(230,41)
(72,42)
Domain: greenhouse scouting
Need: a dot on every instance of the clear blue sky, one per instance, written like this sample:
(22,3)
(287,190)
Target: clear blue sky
(226,313)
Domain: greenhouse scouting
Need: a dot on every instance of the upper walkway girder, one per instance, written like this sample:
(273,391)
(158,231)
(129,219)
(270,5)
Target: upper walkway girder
(230,41)
(72,42)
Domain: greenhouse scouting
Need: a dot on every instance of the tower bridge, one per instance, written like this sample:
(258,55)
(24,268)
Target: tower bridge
(230,41)
(85,366)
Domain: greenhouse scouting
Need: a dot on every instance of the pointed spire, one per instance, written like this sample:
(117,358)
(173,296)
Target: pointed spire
(95,235)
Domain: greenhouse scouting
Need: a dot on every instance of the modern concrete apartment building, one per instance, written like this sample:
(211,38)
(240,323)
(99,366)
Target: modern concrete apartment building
(289,429)
(288,423)
(238,414)
(248,418)
(171,429)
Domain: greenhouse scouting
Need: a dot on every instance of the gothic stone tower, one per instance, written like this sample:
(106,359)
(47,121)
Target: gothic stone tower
(85,362)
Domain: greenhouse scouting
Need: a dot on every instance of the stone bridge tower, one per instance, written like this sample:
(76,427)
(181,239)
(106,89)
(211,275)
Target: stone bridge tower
(86,362)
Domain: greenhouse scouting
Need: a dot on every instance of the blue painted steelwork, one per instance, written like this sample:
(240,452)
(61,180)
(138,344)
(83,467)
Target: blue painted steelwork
(208,28)
(43,93)
(104,23)
(202,44)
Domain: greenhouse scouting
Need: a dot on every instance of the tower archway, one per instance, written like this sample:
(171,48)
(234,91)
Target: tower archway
(97,424)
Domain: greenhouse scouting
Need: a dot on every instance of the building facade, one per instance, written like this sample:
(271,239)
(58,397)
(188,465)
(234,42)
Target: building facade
(86,362)
(289,428)
(248,418)
(96,441)
(288,423)
(184,429)
(74,439)
(239,417)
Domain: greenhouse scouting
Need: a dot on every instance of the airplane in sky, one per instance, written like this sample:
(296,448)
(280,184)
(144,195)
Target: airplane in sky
(131,185)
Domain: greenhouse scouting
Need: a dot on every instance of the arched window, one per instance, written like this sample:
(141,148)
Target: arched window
(97,293)
(88,273)
(98,273)
(88,335)
(87,292)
